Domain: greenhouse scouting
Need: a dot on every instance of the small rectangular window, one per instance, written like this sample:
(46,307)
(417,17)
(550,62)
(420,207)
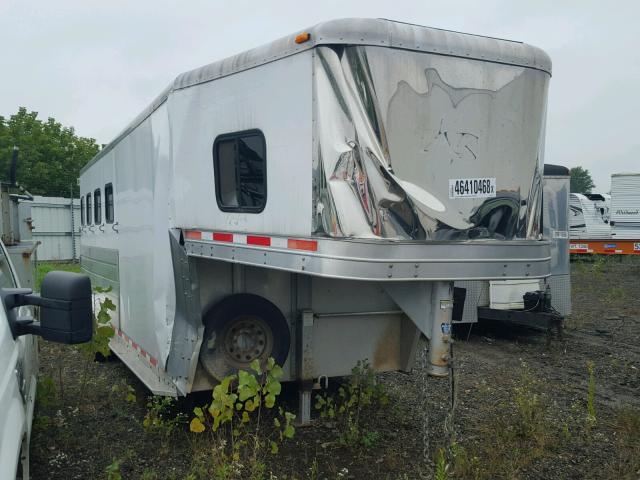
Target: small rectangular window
(108,202)
(97,206)
(82,211)
(89,210)
(240,168)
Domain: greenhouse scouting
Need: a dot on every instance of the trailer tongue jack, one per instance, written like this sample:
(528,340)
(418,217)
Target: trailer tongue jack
(440,341)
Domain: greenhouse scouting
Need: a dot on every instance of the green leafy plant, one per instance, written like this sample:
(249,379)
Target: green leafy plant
(113,470)
(442,467)
(530,420)
(149,475)
(103,331)
(46,391)
(236,411)
(126,391)
(160,418)
(360,393)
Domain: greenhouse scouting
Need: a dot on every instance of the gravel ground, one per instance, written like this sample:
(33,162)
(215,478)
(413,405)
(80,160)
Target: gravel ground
(521,408)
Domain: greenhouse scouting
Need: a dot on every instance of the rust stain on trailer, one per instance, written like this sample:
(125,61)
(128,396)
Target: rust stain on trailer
(386,355)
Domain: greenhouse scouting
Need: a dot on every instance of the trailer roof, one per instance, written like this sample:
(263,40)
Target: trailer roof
(355,31)
(556,170)
(378,32)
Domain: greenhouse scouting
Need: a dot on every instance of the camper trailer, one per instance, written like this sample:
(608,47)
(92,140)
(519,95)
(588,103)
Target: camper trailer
(625,207)
(313,200)
(505,299)
(589,216)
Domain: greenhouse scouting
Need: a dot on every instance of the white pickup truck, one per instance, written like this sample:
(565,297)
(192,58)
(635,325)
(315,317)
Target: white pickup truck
(65,316)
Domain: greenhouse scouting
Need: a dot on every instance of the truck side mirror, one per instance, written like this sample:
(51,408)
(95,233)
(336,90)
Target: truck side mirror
(65,308)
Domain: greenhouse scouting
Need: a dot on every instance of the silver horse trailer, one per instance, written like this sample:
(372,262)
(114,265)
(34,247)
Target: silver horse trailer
(315,198)
(505,299)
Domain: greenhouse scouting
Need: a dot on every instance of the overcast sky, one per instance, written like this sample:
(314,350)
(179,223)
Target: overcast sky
(96,64)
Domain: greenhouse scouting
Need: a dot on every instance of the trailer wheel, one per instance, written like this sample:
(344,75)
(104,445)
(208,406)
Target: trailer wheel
(240,329)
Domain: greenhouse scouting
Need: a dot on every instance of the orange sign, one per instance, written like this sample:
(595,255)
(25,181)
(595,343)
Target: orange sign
(606,247)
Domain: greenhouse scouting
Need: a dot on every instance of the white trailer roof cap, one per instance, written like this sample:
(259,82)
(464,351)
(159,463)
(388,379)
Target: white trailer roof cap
(354,31)
(380,32)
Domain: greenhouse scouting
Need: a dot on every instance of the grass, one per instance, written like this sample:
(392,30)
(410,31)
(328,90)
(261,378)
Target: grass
(626,462)
(512,441)
(42,268)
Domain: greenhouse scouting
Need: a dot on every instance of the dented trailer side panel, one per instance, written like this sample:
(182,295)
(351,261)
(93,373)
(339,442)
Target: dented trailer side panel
(132,255)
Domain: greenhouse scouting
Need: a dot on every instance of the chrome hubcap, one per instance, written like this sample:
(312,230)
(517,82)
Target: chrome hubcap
(246,339)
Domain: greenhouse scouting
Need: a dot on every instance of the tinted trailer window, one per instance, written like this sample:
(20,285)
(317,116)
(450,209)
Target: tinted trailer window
(239,161)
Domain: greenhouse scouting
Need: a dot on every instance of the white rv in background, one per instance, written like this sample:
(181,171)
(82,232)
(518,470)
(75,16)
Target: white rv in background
(589,216)
(314,199)
(625,206)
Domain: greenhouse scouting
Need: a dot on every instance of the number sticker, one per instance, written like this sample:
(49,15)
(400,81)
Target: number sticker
(472,187)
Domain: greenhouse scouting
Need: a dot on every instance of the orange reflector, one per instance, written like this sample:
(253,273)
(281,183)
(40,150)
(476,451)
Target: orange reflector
(303,37)
(193,235)
(310,245)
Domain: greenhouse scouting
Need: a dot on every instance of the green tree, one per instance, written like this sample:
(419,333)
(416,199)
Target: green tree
(581,181)
(51,155)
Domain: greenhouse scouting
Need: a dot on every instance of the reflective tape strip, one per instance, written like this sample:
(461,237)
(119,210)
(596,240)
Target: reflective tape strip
(223,237)
(255,240)
(279,242)
(136,346)
(310,245)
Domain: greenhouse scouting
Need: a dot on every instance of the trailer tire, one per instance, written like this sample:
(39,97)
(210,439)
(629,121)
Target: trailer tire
(238,330)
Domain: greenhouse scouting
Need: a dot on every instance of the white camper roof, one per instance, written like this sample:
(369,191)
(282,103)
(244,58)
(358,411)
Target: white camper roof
(355,31)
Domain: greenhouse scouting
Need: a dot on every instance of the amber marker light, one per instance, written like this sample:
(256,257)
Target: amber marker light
(303,37)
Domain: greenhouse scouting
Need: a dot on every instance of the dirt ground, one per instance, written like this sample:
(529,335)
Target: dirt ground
(522,408)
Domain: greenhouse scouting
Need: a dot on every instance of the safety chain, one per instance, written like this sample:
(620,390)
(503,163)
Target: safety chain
(424,472)
(449,421)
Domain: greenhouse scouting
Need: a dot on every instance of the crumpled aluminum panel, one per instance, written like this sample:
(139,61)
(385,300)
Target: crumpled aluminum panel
(393,127)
